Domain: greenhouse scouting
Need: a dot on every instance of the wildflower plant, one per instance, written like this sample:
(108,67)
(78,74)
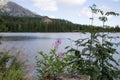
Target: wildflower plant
(52,63)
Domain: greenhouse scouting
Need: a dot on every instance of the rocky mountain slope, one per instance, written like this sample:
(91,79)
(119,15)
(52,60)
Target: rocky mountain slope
(12,9)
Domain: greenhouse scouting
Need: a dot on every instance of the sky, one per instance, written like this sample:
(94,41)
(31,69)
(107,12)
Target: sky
(76,11)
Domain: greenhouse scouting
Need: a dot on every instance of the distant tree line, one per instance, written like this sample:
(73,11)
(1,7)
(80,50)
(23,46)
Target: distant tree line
(37,24)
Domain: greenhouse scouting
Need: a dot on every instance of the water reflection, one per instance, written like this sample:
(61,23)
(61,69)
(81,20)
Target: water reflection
(18,38)
(24,38)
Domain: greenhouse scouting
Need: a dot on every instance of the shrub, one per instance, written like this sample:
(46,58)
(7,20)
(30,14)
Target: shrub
(10,67)
(95,60)
(14,75)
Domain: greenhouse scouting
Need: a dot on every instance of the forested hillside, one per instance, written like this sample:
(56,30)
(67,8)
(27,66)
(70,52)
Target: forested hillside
(45,24)
(34,24)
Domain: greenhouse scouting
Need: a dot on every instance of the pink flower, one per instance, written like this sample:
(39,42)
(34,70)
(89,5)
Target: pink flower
(57,43)
(61,54)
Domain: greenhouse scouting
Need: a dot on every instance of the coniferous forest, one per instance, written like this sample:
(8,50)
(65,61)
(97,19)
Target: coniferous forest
(38,24)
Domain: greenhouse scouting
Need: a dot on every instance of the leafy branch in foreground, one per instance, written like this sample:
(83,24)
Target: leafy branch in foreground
(104,16)
(102,65)
(94,11)
(94,55)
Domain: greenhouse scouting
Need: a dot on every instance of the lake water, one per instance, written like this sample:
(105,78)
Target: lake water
(31,43)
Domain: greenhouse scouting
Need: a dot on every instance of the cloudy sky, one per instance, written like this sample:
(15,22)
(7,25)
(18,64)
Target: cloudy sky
(76,11)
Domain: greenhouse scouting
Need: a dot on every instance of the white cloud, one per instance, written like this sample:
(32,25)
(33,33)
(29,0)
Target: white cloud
(85,12)
(73,2)
(47,5)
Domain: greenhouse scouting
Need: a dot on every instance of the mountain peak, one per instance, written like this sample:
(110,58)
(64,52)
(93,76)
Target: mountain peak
(12,9)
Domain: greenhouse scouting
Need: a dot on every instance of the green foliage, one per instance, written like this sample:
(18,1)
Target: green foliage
(10,67)
(94,11)
(94,55)
(13,75)
(104,16)
(49,65)
(95,60)
(2,24)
